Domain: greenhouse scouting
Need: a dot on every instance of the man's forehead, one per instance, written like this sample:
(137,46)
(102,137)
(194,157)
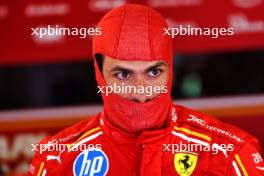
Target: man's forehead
(112,62)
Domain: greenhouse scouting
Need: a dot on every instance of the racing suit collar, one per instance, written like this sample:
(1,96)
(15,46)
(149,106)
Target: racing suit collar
(120,136)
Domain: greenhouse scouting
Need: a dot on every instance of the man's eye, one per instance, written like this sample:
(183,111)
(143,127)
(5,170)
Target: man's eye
(122,75)
(154,72)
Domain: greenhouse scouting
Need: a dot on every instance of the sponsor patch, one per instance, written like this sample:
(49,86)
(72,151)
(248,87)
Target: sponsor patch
(185,163)
(91,162)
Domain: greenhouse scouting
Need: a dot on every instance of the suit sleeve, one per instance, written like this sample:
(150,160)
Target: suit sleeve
(248,160)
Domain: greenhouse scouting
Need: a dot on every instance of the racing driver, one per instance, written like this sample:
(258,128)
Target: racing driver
(140,134)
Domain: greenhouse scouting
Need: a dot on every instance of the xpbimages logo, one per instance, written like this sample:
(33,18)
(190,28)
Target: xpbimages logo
(197,31)
(60,30)
(124,89)
(195,147)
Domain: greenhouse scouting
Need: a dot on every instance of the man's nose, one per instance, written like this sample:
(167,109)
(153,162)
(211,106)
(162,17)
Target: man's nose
(139,96)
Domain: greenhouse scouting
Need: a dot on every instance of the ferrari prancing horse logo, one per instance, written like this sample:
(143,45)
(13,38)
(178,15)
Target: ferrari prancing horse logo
(185,163)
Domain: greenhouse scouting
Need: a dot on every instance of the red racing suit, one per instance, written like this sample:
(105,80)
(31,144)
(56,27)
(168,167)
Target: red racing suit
(192,143)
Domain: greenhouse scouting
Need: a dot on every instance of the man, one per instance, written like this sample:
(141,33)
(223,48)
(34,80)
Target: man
(142,132)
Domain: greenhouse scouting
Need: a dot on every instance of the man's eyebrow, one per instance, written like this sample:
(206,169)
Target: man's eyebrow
(155,66)
(122,69)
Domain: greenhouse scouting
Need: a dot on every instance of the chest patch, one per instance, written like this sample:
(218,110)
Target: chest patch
(185,163)
(92,162)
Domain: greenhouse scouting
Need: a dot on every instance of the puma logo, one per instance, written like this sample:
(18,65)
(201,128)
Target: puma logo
(53,157)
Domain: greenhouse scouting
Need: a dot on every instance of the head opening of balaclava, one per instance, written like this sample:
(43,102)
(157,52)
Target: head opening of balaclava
(134,32)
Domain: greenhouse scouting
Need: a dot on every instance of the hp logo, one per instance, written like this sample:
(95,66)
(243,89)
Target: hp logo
(92,162)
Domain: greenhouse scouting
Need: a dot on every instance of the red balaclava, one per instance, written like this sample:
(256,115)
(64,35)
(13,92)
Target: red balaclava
(134,33)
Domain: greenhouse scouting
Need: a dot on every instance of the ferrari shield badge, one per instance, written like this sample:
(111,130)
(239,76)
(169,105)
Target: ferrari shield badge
(185,163)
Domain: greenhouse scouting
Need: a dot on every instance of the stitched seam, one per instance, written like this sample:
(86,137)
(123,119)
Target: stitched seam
(119,31)
(150,41)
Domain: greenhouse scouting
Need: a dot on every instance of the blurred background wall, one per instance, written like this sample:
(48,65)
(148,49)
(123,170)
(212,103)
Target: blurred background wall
(47,84)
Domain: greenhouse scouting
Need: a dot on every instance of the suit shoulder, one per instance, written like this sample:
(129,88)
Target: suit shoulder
(73,133)
(211,125)
(77,129)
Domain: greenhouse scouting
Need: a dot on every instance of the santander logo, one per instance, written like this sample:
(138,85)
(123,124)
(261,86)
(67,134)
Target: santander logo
(104,5)
(247,3)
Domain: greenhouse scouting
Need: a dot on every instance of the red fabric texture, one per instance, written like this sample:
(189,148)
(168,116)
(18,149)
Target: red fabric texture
(146,155)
